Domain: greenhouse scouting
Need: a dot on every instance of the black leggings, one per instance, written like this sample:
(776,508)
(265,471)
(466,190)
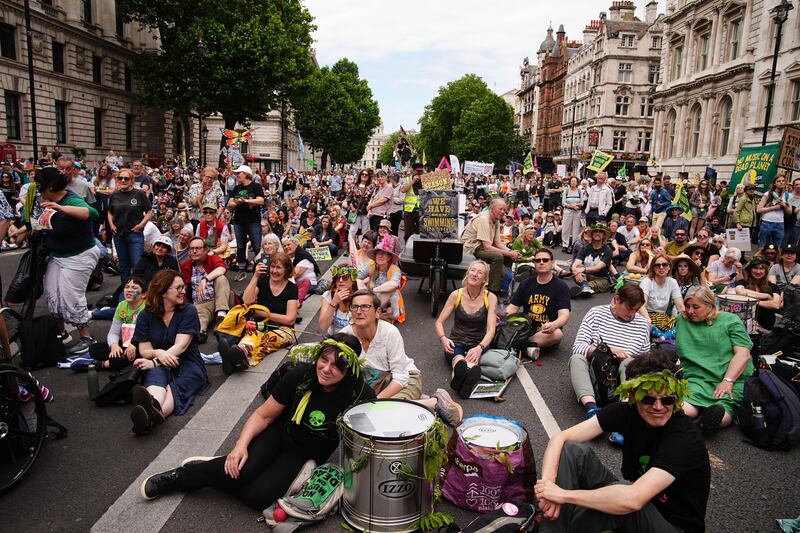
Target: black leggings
(272,464)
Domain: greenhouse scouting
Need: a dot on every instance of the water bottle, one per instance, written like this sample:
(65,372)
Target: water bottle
(759,426)
(93,382)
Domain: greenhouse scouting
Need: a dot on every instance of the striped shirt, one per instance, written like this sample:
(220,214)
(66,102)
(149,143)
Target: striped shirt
(600,325)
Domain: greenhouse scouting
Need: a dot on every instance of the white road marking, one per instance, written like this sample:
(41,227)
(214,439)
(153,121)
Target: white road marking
(203,435)
(537,401)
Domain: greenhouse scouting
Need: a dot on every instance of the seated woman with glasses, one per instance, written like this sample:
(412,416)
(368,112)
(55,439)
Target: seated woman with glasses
(662,298)
(641,258)
(166,337)
(335,313)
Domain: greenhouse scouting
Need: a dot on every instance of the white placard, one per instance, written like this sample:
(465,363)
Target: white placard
(738,238)
(561,170)
(477,167)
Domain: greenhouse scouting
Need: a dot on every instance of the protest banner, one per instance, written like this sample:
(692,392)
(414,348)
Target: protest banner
(438,214)
(789,157)
(756,165)
(320,254)
(600,160)
(561,170)
(528,164)
(738,238)
(436,180)
(476,167)
(454,164)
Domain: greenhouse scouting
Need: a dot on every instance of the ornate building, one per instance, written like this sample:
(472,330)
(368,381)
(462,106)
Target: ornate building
(372,152)
(527,96)
(609,87)
(716,65)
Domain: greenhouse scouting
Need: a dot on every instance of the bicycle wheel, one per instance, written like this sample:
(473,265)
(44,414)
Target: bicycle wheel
(23,418)
(436,290)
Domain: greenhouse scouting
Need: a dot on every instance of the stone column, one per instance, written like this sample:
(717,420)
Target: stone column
(718,46)
(680,137)
(72,8)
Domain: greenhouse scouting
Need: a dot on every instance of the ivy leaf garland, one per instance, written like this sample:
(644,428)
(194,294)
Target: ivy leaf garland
(634,389)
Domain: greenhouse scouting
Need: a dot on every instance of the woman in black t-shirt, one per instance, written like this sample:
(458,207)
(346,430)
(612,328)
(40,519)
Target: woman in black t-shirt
(296,423)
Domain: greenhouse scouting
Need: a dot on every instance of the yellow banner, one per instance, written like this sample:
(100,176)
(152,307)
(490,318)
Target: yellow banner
(436,180)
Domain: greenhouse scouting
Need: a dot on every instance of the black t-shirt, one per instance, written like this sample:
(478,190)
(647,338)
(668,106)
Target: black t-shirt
(275,304)
(128,208)
(317,434)
(245,213)
(591,256)
(764,317)
(677,448)
(542,302)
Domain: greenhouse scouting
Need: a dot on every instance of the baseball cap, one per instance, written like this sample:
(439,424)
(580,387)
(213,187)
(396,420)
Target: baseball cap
(165,240)
(244,168)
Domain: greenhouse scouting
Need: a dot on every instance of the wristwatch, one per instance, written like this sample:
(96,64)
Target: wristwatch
(726,378)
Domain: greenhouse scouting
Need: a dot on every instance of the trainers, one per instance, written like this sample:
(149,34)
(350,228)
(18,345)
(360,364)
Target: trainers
(81,364)
(710,419)
(533,352)
(447,408)
(160,484)
(616,438)
(83,345)
(64,337)
(587,291)
(221,315)
(197,459)
(591,412)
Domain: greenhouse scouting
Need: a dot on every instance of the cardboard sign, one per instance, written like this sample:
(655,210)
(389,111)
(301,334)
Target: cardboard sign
(561,170)
(789,156)
(437,180)
(320,254)
(738,238)
(438,214)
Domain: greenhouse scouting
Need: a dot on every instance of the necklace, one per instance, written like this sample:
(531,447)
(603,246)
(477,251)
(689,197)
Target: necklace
(471,297)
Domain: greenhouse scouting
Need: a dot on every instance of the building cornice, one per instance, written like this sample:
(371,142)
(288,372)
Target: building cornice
(704,80)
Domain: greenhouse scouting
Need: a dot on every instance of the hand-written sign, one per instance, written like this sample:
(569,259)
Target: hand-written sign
(320,254)
(789,157)
(438,214)
(436,180)
(756,165)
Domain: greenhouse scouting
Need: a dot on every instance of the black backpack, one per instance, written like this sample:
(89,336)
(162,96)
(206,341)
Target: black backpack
(510,517)
(606,373)
(118,389)
(38,340)
(513,334)
(779,404)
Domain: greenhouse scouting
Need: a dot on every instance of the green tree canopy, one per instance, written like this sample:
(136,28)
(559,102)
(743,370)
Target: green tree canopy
(337,114)
(486,132)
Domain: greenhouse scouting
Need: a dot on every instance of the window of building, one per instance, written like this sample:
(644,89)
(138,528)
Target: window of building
(8,41)
(625,73)
(97,69)
(98,127)
(677,62)
(647,106)
(86,11)
(652,74)
(725,126)
(703,44)
(735,39)
(58,57)
(628,41)
(656,42)
(61,122)
(128,131)
(671,125)
(697,114)
(644,140)
(623,103)
(128,78)
(118,19)
(13,122)
(795,101)
(618,143)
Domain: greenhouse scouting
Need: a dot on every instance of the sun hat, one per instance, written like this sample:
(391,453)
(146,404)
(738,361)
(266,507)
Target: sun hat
(389,244)
(601,227)
(693,267)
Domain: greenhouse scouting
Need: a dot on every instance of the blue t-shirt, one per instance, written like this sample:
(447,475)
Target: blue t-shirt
(542,302)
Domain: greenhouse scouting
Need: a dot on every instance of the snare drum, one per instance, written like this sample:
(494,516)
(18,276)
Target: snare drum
(742,306)
(490,436)
(378,439)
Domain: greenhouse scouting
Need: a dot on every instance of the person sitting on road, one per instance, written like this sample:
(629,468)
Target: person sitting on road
(725,270)
(526,244)
(214,231)
(618,325)
(786,270)
(664,461)
(482,239)
(160,258)
(546,300)
(619,245)
(639,261)
(756,285)
(359,257)
(384,277)
(166,338)
(335,314)
(207,286)
(306,271)
(325,236)
(590,268)
(687,273)
(715,355)
(675,248)
(474,311)
(662,295)
(387,368)
(297,423)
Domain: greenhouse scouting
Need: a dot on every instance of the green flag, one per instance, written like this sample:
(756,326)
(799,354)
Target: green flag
(682,199)
(528,164)
(623,172)
(756,165)
(311,162)
(600,160)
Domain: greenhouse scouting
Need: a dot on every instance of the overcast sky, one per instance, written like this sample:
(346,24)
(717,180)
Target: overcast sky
(407,49)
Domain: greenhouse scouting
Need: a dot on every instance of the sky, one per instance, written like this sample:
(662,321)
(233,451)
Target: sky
(407,49)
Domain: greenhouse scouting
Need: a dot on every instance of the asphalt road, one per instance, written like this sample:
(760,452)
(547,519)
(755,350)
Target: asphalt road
(87,481)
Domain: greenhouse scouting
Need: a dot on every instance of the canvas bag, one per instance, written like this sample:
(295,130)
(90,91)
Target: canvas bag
(498,365)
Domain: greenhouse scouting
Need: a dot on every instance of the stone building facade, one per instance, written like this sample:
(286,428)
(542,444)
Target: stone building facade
(716,64)
(609,87)
(372,152)
(527,98)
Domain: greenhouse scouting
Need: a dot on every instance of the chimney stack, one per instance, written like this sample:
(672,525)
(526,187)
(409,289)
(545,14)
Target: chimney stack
(622,10)
(651,11)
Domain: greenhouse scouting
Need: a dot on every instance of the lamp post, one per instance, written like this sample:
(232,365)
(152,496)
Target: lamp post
(29,37)
(202,131)
(205,144)
(780,13)
(572,135)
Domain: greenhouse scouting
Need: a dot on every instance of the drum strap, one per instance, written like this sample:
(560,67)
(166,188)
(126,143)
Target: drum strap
(301,408)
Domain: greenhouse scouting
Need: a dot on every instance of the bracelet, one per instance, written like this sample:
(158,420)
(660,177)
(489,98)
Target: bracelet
(442,335)
(726,378)
(156,362)
(333,305)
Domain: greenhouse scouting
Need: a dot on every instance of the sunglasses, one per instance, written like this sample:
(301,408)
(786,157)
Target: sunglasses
(209,211)
(661,265)
(542,260)
(666,401)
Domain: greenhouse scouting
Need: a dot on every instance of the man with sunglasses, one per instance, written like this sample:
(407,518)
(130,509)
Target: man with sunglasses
(665,464)
(680,243)
(207,287)
(546,300)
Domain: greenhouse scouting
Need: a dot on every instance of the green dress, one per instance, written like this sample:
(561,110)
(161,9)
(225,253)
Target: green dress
(706,351)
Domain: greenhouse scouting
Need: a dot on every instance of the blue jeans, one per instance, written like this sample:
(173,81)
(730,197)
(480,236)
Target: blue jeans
(130,248)
(770,232)
(458,350)
(243,233)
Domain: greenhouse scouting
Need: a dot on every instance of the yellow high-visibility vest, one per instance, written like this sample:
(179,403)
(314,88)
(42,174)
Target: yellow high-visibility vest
(411,201)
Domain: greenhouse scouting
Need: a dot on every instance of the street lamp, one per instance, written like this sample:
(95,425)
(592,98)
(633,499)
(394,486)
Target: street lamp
(780,13)
(201,128)
(572,135)
(205,143)
(29,38)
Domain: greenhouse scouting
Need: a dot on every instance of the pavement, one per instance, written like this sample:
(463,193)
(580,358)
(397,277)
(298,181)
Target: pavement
(90,480)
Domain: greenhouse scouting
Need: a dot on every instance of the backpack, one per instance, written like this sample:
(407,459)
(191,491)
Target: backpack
(606,373)
(780,406)
(38,340)
(312,497)
(118,389)
(510,517)
(513,334)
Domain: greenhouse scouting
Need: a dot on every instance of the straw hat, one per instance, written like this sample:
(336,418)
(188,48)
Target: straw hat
(693,267)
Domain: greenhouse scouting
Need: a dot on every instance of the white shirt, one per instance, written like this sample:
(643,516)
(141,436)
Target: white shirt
(387,353)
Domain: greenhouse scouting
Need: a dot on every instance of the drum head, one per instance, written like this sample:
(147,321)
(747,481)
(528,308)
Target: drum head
(389,419)
(738,298)
(491,432)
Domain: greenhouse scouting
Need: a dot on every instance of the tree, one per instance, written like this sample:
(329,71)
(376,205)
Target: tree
(387,148)
(337,114)
(444,113)
(486,132)
(255,56)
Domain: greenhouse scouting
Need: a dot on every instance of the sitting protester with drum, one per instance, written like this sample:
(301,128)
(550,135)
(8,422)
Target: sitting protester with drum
(715,355)
(765,294)
(297,423)
(664,461)
(387,368)
(474,311)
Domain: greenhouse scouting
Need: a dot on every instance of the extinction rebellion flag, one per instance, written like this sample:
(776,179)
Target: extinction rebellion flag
(600,160)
